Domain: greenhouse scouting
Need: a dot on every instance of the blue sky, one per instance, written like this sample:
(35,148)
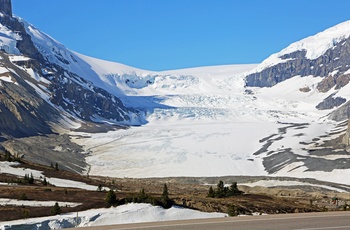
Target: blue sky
(173,34)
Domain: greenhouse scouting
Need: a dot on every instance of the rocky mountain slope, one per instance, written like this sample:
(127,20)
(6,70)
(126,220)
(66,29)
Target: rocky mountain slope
(43,76)
(41,96)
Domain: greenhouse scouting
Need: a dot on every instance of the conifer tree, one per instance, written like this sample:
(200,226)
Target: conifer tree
(45,182)
(220,192)
(31,179)
(56,209)
(165,194)
(111,198)
(165,200)
(211,192)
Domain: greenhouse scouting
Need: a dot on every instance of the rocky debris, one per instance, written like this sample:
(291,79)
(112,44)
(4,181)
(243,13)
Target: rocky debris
(331,81)
(330,102)
(49,150)
(342,113)
(305,89)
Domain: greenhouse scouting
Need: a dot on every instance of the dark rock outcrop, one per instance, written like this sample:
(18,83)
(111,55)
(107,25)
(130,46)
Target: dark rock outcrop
(334,63)
(6,7)
(342,113)
(330,102)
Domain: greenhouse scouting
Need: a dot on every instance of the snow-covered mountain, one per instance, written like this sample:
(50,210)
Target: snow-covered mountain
(286,116)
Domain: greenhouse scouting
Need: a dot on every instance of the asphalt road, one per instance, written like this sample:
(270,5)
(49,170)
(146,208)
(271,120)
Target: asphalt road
(304,221)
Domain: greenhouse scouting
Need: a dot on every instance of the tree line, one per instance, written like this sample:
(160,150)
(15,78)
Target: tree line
(222,191)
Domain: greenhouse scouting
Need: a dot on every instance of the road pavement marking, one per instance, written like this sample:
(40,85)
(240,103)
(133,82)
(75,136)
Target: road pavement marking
(339,227)
(235,220)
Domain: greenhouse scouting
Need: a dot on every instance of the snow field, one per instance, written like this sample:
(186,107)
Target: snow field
(212,131)
(11,202)
(7,168)
(275,183)
(130,213)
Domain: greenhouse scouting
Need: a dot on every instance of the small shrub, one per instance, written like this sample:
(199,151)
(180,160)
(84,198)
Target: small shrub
(111,198)
(56,209)
(211,192)
(25,213)
(45,182)
(232,211)
(24,196)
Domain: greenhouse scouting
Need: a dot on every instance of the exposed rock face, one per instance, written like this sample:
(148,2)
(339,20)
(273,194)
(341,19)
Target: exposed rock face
(330,102)
(342,113)
(333,63)
(86,104)
(346,137)
(23,112)
(6,7)
(49,149)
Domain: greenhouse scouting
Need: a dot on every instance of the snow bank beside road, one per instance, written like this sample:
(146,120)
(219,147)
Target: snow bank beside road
(130,213)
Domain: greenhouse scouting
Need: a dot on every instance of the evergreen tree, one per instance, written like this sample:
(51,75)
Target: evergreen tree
(165,200)
(31,179)
(56,209)
(165,194)
(234,191)
(45,182)
(142,197)
(56,166)
(111,198)
(211,192)
(26,178)
(220,191)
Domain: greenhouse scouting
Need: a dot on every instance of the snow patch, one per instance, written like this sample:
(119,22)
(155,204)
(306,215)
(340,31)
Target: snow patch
(32,203)
(125,214)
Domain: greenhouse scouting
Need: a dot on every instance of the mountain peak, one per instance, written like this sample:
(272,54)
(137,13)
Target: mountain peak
(314,46)
(6,7)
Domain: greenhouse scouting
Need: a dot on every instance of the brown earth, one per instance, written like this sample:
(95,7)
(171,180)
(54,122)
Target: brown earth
(187,192)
